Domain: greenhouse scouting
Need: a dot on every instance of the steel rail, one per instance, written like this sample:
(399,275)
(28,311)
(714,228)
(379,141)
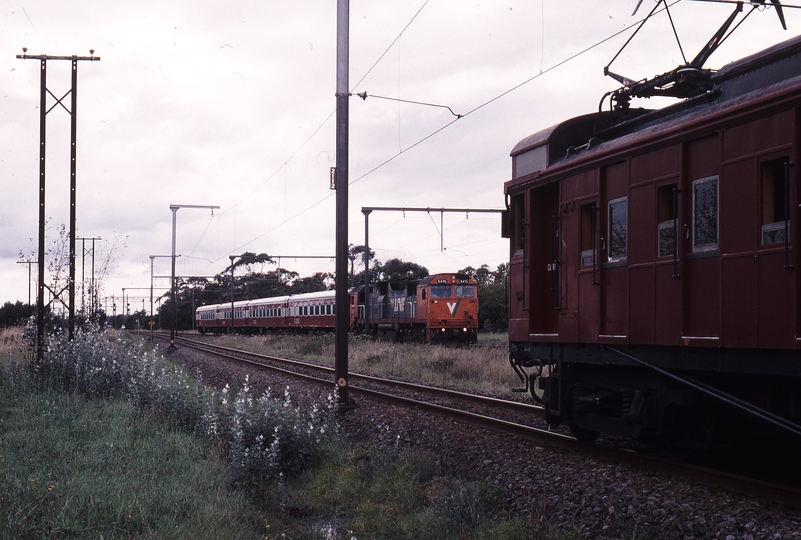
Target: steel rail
(786,495)
(441,392)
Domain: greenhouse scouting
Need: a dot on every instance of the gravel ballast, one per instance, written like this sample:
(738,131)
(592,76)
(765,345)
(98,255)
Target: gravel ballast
(557,488)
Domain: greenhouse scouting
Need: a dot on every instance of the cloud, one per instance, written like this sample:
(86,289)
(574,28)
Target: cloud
(217,104)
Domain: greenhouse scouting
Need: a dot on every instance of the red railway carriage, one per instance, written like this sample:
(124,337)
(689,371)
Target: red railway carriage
(308,311)
(654,282)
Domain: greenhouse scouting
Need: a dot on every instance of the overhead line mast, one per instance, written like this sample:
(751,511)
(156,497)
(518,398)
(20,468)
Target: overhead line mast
(340,181)
(73,112)
(367,210)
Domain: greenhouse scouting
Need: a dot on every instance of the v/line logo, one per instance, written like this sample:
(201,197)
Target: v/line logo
(453,307)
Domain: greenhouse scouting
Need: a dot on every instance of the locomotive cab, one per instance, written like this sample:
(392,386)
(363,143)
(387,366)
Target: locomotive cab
(449,305)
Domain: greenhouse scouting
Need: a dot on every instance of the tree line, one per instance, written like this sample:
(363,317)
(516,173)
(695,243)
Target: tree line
(247,278)
(250,280)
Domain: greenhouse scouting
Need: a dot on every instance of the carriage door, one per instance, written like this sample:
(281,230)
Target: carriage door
(615,246)
(702,279)
(775,266)
(544,261)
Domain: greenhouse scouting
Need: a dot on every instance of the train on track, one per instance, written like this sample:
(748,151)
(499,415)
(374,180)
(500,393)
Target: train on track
(654,260)
(437,308)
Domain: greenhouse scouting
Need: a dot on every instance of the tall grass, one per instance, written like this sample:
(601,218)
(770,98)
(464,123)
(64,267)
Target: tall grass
(262,437)
(475,368)
(106,439)
(80,468)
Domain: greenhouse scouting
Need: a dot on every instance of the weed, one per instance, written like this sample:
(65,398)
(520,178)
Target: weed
(442,363)
(261,437)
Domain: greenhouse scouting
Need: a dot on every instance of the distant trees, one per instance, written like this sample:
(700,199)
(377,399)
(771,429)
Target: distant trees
(88,287)
(395,269)
(250,281)
(14,314)
(356,255)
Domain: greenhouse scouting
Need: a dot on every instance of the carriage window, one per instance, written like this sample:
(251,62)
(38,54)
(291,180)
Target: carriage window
(705,214)
(618,231)
(775,201)
(465,291)
(440,291)
(666,214)
(588,223)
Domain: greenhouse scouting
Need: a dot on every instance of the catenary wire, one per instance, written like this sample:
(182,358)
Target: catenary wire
(332,112)
(435,132)
(448,124)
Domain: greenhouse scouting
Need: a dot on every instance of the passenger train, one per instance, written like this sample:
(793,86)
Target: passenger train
(437,308)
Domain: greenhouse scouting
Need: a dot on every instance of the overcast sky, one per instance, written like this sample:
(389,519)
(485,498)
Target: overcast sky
(232,104)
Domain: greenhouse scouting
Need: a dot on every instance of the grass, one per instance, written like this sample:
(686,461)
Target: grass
(80,468)
(84,455)
(402,494)
(473,368)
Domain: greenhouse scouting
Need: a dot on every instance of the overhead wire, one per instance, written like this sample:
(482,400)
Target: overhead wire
(458,117)
(208,224)
(553,67)
(391,44)
(283,166)
(754,3)
(332,112)
(497,97)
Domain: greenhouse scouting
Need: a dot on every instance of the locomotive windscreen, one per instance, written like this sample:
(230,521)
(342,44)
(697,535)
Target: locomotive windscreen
(440,291)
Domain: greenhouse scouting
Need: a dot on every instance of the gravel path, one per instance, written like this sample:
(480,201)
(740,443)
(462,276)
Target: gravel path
(557,488)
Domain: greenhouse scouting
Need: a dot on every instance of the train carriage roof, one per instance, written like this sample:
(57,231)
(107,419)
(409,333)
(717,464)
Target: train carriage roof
(269,301)
(312,296)
(258,302)
(749,78)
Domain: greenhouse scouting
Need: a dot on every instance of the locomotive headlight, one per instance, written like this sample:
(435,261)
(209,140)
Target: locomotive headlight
(464,329)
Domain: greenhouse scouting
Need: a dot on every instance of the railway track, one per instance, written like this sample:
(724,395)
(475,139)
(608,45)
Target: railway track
(498,415)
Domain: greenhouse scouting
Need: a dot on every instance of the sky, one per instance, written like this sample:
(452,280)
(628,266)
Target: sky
(232,104)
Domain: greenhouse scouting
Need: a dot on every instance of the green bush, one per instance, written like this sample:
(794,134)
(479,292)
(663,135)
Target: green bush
(263,438)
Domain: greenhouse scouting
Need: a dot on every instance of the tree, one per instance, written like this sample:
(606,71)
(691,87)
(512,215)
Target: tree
(395,269)
(248,259)
(57,281)
(14,314)
(356,254)
(320,281)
